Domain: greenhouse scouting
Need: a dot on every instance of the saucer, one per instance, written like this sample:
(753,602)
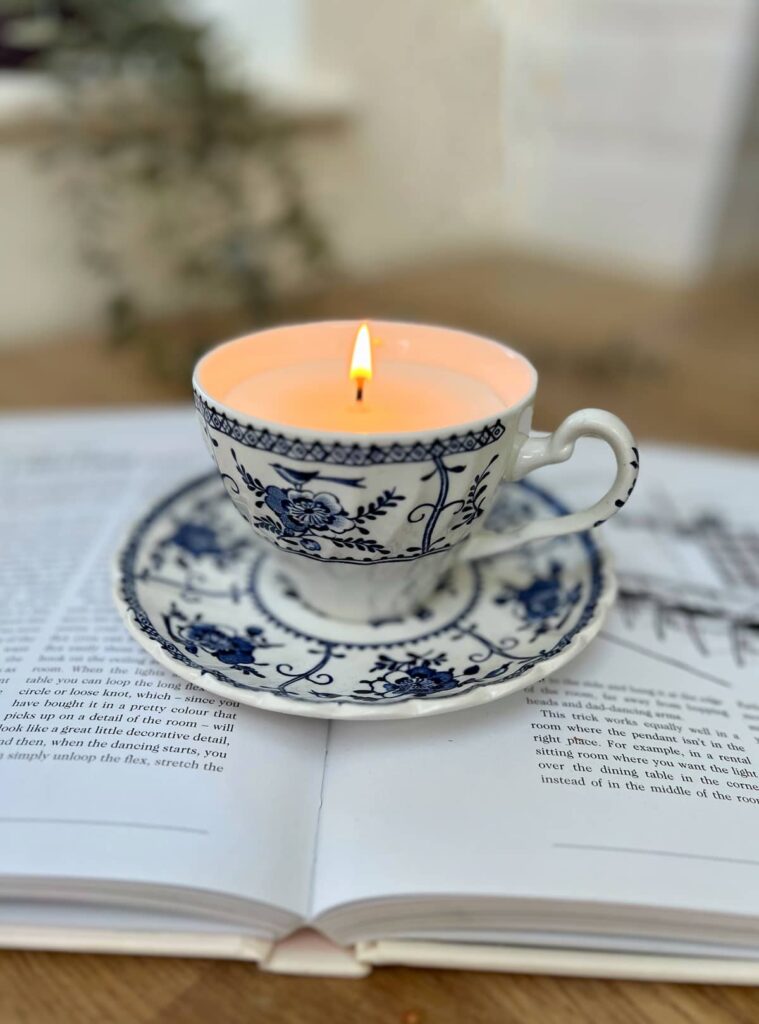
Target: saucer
(210,604)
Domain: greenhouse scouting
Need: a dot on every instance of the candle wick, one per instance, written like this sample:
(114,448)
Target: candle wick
(360,389)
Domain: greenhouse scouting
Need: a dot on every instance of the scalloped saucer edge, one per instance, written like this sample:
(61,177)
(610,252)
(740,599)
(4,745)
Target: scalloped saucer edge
(207,604)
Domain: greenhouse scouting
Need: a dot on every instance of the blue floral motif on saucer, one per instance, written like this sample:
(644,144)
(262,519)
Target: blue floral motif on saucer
(203,598)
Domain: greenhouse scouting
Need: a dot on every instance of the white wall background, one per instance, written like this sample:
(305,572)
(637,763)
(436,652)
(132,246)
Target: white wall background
(620,133)
(621,124)
(420,168)
(738,228)
(605,131)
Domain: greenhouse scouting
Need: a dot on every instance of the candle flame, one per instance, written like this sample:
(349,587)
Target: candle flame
(361,363)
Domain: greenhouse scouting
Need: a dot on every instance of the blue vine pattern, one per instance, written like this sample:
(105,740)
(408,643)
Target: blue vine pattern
(299,513)
(321,523)
(466,511)
(222,643)
(192,548)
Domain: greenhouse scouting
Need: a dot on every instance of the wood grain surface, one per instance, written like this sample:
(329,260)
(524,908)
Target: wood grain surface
(678,366)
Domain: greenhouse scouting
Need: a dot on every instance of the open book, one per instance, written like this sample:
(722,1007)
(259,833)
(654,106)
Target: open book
(605,821)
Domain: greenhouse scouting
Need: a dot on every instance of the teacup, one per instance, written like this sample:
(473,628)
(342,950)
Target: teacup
(366,525)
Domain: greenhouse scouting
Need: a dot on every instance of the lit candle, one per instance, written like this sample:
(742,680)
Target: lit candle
(361,363)
(349,378)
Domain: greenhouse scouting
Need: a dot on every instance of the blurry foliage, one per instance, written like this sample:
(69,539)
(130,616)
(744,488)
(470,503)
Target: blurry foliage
(162,144)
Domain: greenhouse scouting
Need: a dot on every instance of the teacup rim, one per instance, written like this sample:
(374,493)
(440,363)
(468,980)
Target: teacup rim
(381,438)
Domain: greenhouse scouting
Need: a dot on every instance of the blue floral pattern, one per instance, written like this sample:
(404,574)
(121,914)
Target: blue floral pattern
(197,539)
(302,512)
(413,675)
(238,650)
(304,519)
(431,492)
(545,602)
(191,584)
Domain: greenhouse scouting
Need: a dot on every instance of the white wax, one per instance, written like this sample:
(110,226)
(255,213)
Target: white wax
(402,396)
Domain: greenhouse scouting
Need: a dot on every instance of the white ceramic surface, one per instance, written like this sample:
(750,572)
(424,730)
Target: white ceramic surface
(210,604)
(366,525)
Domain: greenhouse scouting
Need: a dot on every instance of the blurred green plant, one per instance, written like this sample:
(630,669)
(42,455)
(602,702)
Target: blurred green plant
(169,155)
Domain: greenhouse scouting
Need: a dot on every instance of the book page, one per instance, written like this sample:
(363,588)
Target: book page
(630,777)
(112,768)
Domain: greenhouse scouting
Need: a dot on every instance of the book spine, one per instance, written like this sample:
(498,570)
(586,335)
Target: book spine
(309,952)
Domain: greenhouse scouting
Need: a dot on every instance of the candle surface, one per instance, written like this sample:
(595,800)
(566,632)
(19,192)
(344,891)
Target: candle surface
(400,397)
(415,377)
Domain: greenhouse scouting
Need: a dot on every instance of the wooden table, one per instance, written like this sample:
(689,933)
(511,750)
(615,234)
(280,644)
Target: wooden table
(677,366)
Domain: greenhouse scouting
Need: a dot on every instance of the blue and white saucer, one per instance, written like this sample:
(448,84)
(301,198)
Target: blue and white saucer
(207,602)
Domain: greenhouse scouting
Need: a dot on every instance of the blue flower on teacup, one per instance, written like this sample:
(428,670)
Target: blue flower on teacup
(303,511)
(227,647)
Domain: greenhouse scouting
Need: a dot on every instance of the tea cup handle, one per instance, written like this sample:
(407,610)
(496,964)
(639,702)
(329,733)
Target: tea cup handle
(558,447)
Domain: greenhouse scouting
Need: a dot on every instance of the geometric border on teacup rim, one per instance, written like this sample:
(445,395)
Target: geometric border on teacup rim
(342,454)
